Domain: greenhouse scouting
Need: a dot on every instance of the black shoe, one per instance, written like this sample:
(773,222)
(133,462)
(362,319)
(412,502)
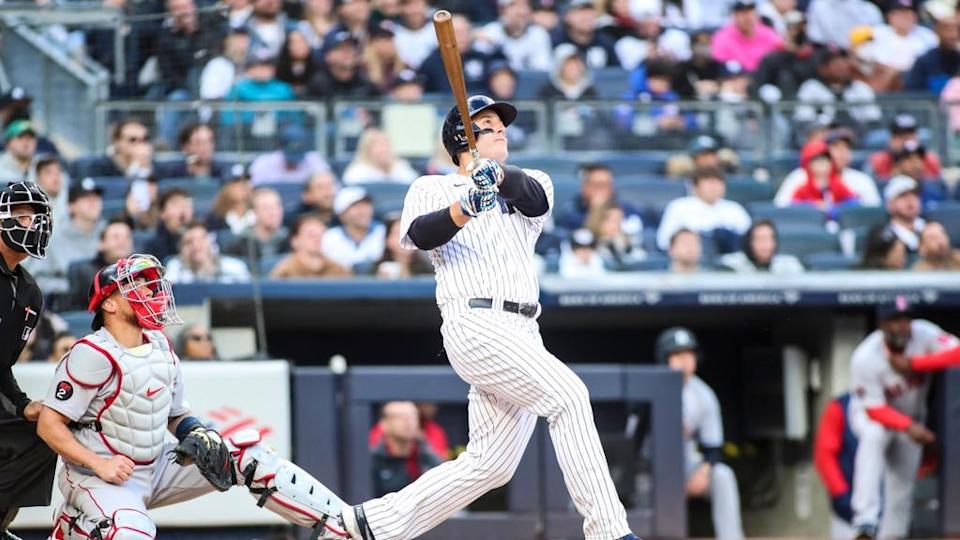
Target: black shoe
(630,536)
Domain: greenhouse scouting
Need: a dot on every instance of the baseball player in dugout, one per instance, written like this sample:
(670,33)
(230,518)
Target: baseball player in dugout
(26,464)
(707,476)
(889,382)
(113,399)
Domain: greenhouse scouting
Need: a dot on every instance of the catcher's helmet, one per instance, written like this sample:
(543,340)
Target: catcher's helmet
(453,135)
(29,233)
(151,299)
(674,340)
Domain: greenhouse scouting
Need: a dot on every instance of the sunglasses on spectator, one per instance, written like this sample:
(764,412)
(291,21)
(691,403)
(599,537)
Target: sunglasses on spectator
(199,337)
(137,139)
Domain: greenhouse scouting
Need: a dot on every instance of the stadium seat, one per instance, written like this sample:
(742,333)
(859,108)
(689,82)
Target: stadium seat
(803,242)
(268,263)
(552,165)
(289,192)
(114,187)
(140,240)
(78,322)
(948,214)
(529,83)
(748,191)
(611,83)
(654,262)
(647,193)
(113,208)
(82,166)
(852,217)
(829,260)
(786,216)
(339,165)
(634,163)
(198,188)
(387,196)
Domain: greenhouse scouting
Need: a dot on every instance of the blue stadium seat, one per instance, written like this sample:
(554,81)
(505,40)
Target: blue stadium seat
(829,261)
(851,217)
(268,263)
(634,163)
(552,165)
(790,215)
(803,242)
(288,191)
(339,165)
(82,166)
(113,208)
(387,196)
(948,214)
(114,187)
(529,83)
(655,262)
(646,193)
(140,240)
(748,191)
(198,188)
(78,322)
(611,83)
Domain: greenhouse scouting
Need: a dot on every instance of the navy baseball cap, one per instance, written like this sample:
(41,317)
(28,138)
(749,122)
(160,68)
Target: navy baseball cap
(898,308)
(903,123)
(293,141)
(704,144)
(85,187)
(335,39)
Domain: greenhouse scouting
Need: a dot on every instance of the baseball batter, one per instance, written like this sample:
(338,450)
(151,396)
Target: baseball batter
(707,476)
(887,414)
(112,401)
(480,225)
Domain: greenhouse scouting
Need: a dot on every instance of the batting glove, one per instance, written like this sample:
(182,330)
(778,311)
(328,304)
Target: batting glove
(487,174)
(478,201)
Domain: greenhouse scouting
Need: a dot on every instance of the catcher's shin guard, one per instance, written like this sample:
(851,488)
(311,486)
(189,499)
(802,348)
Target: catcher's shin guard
(286,489)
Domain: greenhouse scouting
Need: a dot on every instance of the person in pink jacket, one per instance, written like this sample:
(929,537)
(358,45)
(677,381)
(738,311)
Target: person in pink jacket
(745,39)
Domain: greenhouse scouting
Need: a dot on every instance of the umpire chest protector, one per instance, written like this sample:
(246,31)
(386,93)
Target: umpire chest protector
(133,419)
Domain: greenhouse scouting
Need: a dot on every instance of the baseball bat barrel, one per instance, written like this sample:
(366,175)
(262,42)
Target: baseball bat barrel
(453,65)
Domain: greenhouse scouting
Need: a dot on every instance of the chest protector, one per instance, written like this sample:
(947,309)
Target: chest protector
(133,419)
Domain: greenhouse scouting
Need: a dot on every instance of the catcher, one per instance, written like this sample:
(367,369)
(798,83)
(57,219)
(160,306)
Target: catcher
(113,399)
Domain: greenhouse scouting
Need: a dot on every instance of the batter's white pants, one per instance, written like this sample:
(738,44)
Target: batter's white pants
(513,381)
(886,460)
(92,501)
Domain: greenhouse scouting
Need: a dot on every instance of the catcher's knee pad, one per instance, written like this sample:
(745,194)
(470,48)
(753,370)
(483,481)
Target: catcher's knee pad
(284,488)
(125,524)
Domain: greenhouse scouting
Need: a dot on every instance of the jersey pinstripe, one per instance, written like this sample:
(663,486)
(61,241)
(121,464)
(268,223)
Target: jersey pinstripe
(492,257)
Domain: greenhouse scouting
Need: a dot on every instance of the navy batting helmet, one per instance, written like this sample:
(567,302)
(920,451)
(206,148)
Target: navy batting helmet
(453,135)
(674,340)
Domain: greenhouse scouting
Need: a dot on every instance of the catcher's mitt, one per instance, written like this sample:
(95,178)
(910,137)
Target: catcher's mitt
(206,449)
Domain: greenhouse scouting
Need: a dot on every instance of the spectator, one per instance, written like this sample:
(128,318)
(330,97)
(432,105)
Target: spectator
(398,262)
(199,260)
(176,213)
(267,237)
(884,250)
(130,153)
(318,20)
(829,21)
(688,15)
(198,146)
(384,11)
(231,207)
(407,87)
(15,105)
(901,41)
(570,78)
(652,81)
(619,240)
(759,254)
(596,190)
(267,26)
(579,29)
(259,83)
(354,17)
(745,39)
(116,242)
(705,152)
(935,251)
(381,59)
(840,144)
(141,203)
(545,15)
(902,194)
(651,40)
(903,128)
(48,174)
(776,13)
(292,164)
(780,73)
(834,82)
(374,161)
(476,62)
(526,45)
(685,252)
(705,212)
(195,343)
(341,75)
(295,65)
(402,455)
(317,198)
(359,239)
(306,259)
(502,83)
(415,37)
(933,69)
(699,76)
(911,161)
(189,39)
(221,73)
(62,343)
(818,182)
(581,259)
(72,241)
(238,12)
(20,144)
(432,432)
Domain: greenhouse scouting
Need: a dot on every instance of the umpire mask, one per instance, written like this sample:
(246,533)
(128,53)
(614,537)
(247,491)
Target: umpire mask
(26,221)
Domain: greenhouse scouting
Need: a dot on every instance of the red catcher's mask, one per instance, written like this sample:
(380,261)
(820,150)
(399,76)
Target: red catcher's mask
(139,278)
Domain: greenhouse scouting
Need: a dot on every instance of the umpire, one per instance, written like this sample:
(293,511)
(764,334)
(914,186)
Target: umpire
(27,465)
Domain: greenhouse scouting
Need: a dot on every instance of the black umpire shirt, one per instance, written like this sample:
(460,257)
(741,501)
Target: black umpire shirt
(20,304)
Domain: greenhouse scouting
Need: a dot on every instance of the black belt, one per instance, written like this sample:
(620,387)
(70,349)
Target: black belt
(94,425)
(527,310)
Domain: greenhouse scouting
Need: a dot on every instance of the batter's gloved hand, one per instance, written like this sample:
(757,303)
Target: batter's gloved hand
(478,201)
(206,449)
(486,174)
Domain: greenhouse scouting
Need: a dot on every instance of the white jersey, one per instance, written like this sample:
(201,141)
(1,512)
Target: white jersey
(702,422)
(492,256)
(875,383)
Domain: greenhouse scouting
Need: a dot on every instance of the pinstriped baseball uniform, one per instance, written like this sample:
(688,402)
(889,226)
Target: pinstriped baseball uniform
(513,378)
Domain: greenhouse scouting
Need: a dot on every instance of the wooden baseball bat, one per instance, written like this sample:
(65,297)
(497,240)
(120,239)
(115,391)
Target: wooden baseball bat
(453,65)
